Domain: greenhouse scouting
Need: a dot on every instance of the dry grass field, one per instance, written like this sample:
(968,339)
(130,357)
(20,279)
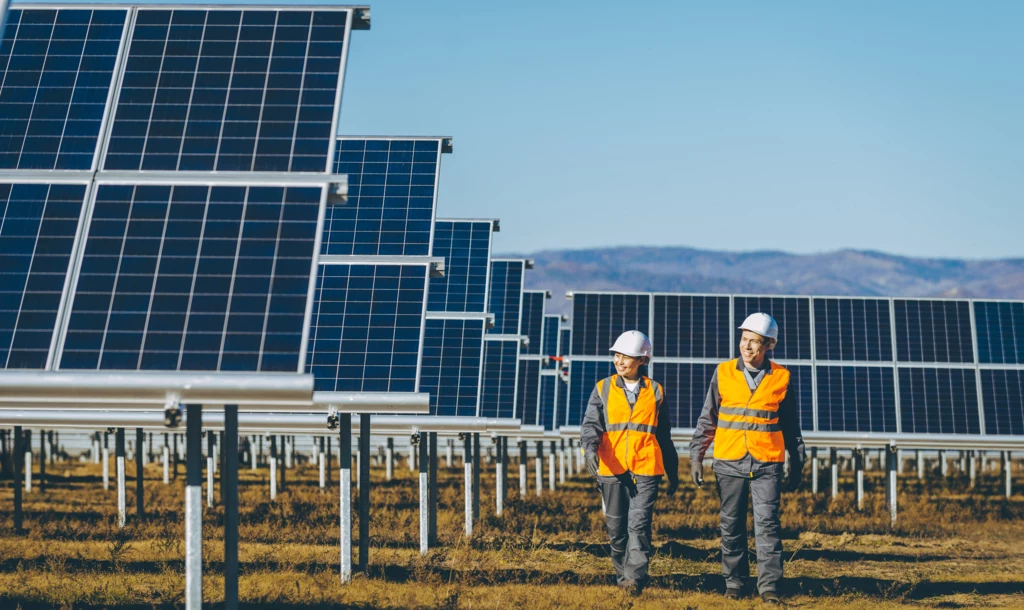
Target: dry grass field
(952,548)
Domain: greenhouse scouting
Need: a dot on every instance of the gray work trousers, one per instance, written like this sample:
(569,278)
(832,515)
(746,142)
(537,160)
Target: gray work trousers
(628,521)
(764,489)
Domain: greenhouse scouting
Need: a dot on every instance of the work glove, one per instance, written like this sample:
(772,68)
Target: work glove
(630,484)
(590,459)
(697,472)
(673,485)
(796,476)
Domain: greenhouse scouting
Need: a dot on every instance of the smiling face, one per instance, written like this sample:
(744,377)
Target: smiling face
(753,347)
(627,367)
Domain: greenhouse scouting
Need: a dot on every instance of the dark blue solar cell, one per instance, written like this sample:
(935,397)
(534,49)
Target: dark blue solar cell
(392,186)
(801,385)
(686,387)
(56,66)
(583,376)
(793,315)
(548,411)
(38,223)
(528,391)
(531,321)
(939,401)
(933,331)
(564,341)
(505,298)
(194,278)
(856,399)
(852,329)
(498,384)
(466,248)
(452,359)
(229,90)
(598,319)
(1000,326)
(687,326)
(549,342)
(1002,394)
(367,323)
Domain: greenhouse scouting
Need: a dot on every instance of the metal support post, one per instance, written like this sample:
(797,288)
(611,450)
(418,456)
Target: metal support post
(95,448)
(330,460)
(504,470)
(892,477)
(42,460)
(176,456)
(282,463)
(537,460)
(273,467)
(476,477)
(522,469)
(814,470)
(833,464)
(433,490)
(858,464)
(448,453)
(920,464)
(28,460)
(364,490)
(561,464)
(972,467)
(229,497)
(422,446)
(106,461)
(1008,472)
(149,450)
(467,467)
(194,507)
(551,466)
(19,522)
(166,459)
(345,492)
(140,509)
(209,468)
(943,464)
(499,475)
(389,459)
(322,463)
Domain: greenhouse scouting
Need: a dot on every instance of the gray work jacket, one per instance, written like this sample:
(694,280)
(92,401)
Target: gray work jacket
(747,466)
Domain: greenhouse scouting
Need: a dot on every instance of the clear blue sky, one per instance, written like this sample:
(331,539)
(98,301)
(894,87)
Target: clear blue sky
(800,126)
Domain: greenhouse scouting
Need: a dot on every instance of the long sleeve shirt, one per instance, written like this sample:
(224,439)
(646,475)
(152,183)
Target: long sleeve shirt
(707,424)
(592,429)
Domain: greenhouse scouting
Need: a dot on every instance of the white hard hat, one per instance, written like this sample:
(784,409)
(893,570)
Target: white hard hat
(762,324)
(633,343)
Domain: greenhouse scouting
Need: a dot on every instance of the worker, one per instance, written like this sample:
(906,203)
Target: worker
(627,443)
(752,418)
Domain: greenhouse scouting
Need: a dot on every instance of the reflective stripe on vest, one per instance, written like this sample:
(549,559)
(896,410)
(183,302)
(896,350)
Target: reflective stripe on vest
(749,422)
(629,442)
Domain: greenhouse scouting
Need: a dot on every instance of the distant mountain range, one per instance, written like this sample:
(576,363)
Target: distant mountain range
(843,273)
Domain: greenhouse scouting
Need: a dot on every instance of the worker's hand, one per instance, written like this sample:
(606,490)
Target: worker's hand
(673,485)
(796,476)
(697,472)
(590,459)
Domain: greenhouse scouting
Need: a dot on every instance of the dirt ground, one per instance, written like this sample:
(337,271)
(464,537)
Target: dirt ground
(952,547)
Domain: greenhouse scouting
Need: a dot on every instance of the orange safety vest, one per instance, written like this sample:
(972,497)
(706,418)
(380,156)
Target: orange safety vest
(629,443)
(749,422)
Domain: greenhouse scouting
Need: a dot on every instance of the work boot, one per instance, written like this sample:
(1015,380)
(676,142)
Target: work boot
(771,598)
(731,593)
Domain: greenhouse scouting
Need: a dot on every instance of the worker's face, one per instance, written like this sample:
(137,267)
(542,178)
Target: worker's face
(753,347)
(627,366)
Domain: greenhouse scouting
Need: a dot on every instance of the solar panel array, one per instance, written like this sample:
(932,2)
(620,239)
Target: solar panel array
(531,356)
(132,254)
(919,366)
(503,387)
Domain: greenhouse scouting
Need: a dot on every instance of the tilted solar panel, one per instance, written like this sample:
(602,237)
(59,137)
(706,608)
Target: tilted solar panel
(1000,327)
(38,223)
(548,414)
(1003,396)
(583,377)
(801,386)
(939,401)
(56,67)
(452,360)
(366,328)
(499,381)
(528,390)
(598,319)
(229,90)
(794,319)
(933,331)
(392,187)
(687,326)
(466,248)
(562,394)
(852,329)
(686,388)
(532,321)
(505,297)
(550,340)
(856,399)
(194,277)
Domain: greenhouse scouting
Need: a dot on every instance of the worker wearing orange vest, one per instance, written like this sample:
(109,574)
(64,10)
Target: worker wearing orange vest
(627,443)
(753,420)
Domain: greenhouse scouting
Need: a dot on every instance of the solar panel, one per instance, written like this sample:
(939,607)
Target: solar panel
(686,388)
(194,277)
(598,319)
(499,381)
(550,339)
(366,329)
(583,377)
(38,223)
(452,359)
(548,414)
(1000,327)
(392,187)
(933,331)
(852,329)
(532,321)
(856,399)
(939,401)
(562,394)
(801,386)
(505,297)
(56,66)
(1003,397)
(688,326)
(229,90)
(466,248)
(528,390)
(794,319)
